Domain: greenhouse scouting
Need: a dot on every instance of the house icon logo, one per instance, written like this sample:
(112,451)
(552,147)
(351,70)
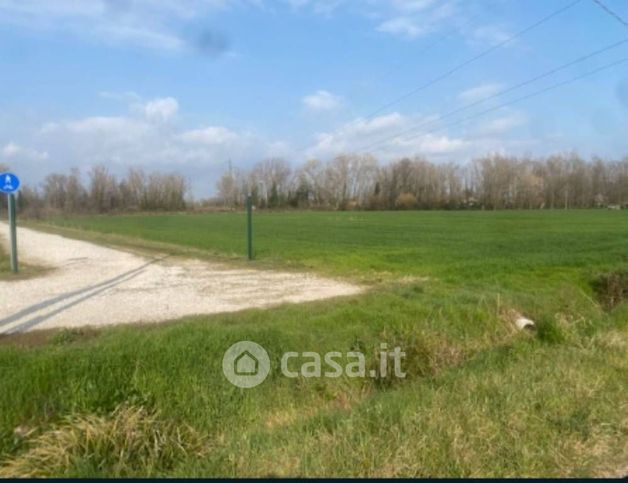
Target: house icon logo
(246,364)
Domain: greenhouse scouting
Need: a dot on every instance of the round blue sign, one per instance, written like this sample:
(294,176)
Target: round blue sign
(9,183)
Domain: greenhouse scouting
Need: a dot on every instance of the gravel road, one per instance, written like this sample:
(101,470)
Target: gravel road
(91,285)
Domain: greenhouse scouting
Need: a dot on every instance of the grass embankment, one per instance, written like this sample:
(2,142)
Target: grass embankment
(480,398)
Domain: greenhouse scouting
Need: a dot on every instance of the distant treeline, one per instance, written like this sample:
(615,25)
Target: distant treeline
(103,193)
(490,182)
(348,182)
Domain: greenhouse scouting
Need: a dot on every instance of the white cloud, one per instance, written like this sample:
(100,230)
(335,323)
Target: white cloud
(361,135)
(489,34)
(322,101)
(126,140)
(480,92)
(411,19)
(364,7)
(13,151)
(404,27)
(161,110)
(502,125)
(165,25)
(417,19)
(412,5)
(158,25)
(296,4)
(135,140)
(140,37)
(395,135)
(320,7)
(211,135)
(100,127)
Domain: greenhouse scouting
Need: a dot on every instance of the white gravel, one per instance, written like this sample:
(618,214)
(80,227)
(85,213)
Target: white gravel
(91,285)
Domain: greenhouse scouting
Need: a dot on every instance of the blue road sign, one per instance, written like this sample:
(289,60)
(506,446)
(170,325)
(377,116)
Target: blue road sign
(9,183)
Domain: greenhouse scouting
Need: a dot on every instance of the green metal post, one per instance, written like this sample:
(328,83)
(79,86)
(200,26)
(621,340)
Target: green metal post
(12,224)
(249,225)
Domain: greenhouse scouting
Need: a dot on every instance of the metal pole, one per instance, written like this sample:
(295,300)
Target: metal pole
(249,225)
(12,224)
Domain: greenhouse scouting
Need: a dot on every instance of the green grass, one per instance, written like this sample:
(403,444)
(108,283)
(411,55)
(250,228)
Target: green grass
(25,270)
(480,399)
(5,264)
(454,245)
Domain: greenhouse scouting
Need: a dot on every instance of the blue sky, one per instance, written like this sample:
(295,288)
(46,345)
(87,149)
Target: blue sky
(189,85)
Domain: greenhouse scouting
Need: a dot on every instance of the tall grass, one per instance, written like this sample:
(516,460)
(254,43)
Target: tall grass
(128,441)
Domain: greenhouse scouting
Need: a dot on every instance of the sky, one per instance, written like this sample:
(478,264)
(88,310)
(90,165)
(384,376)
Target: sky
(193,85)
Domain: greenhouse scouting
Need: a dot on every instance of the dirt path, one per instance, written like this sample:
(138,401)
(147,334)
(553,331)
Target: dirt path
(94,285)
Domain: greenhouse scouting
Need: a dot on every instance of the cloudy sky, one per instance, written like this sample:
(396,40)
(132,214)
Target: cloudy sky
(187,85)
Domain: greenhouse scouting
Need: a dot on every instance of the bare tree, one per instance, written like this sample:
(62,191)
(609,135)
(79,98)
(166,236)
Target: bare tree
(55,190)
(271,178)
(103,191)
(75,193)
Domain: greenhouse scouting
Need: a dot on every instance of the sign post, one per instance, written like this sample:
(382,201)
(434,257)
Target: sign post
(13,225)
(9,184)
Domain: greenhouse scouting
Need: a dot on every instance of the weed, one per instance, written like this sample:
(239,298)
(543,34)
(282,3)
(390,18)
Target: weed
(549,331)
(611,288)
(66,336)
(130,441)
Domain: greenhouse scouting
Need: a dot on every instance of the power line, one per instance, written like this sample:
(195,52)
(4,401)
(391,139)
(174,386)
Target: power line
(473,59)
(523,98)
(438,40)
(501,93)
(465,63)
(613,14)
(426,48)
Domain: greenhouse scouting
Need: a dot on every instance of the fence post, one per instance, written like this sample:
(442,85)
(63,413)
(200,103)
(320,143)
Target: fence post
(249,225)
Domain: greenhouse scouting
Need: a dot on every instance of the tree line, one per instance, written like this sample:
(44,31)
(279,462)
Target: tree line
(490,182)
(103,193)
(348,182)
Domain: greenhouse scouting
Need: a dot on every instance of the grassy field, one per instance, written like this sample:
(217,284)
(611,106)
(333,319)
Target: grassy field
(480,399)
(458,246)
